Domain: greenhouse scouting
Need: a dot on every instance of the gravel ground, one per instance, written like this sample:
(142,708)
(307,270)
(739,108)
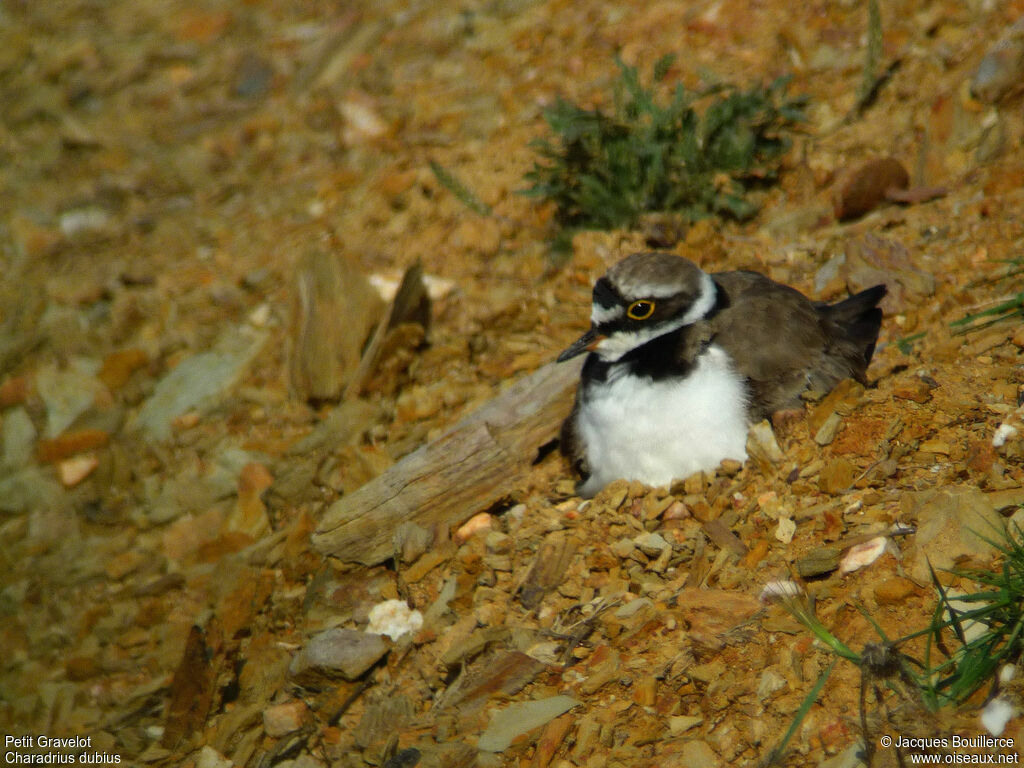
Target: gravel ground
(197,203)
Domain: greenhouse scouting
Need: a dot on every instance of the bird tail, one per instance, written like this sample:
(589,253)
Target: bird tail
(860,319)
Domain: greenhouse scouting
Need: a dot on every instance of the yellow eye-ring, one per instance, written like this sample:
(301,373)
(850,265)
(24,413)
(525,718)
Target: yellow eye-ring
(640,310)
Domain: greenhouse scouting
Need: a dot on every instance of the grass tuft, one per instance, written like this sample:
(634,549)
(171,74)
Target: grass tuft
(968,640)
(988,625)
(605,170)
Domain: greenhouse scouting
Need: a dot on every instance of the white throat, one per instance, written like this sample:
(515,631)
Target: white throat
(655,431)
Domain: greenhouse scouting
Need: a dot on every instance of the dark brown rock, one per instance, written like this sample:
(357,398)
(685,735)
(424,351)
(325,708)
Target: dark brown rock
(863,188)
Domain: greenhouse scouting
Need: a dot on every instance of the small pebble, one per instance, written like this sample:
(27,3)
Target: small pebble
(284,718)
(819,561)
(894,591)
(1001,69)
(833,424)
(74,470)
(476,524)
(836,476)
(913,389)
(678,724)
(785,530)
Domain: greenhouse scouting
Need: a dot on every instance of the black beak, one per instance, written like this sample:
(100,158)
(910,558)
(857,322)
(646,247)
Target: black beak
(584,343)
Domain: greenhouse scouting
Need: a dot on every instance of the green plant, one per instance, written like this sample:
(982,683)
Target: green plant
(604,171)
(988,635)
(1011,308)
(1005,310)
(464,194)
(985,628)
(872,80)
(872,57)
(905,344)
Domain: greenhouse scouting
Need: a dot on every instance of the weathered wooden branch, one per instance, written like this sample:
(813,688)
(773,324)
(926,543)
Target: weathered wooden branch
(469,468)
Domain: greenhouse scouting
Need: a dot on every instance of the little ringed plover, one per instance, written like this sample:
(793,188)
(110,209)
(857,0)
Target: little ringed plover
(681,362)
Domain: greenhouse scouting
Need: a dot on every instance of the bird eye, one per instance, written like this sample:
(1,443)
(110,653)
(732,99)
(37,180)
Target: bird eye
(640,310)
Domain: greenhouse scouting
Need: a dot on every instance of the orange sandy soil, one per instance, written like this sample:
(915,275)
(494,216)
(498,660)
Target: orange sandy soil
(165,165)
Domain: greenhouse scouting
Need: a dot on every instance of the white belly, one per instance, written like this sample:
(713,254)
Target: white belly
(657,431)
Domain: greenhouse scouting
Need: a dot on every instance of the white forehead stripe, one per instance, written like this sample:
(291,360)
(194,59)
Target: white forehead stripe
(652,290)
(600,315)
(704,302)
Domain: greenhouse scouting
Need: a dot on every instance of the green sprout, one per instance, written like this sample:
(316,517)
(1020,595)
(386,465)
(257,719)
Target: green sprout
(1008,309)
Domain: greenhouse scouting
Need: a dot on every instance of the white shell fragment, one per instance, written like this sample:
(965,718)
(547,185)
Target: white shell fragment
(996,714)
(1003,433)
(394,618)
(387,286)
(861,555)
(972,630)
(775,590)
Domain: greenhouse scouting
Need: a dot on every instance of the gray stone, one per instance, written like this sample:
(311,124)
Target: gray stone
(651,544)
(517,719)
(88,220)
(622,548)
(1001,69)
(17,437)
(829,272)
(336,653)
(440,606)
(179,495)
(67,393)
(633,607)
(29,488)
(200,381)
(227,466)
(411,541)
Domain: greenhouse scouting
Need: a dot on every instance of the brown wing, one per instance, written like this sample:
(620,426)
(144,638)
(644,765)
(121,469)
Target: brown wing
(783,351)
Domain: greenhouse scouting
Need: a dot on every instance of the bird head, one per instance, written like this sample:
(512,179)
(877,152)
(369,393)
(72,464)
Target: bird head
(642,297)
